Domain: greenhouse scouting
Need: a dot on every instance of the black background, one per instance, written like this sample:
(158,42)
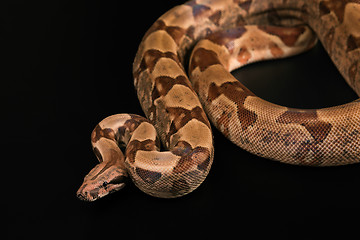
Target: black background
(68,66)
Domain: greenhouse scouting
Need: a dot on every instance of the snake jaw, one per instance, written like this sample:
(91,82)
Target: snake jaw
(91,193)
(102,183)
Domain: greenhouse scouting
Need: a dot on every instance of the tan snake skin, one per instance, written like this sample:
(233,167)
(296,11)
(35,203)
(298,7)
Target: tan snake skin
(233,33)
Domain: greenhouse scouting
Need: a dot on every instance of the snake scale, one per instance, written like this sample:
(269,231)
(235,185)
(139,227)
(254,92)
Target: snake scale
(224,35)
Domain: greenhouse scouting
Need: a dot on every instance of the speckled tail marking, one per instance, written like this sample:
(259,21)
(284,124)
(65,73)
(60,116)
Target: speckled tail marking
(234,33)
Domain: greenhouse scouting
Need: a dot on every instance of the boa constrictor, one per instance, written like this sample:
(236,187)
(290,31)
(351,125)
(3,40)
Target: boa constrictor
(233,33)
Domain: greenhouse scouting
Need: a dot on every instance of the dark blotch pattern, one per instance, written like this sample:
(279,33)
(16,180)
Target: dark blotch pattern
(152,56)
(237,93)
(180,184)
(309,119)
(318,129)
(164,84)
(175,32)
(338,7)
(198,9)
(226,38)
(352,43)
(98,133)
(203,59)
(147,175)
(289,37)
(199,156)
(244,4)
(215,18)
(135,145)
(182,116)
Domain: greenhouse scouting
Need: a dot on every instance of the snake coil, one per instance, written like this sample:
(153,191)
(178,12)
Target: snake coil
(228,34)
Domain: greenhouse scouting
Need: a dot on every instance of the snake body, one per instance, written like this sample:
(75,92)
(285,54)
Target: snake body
(228,34)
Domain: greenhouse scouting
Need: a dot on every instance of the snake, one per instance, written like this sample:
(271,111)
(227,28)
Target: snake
(182,76)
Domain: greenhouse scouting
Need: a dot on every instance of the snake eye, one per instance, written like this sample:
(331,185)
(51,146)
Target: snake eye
(105,184)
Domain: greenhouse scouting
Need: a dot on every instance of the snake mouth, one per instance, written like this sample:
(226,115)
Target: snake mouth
(83,197)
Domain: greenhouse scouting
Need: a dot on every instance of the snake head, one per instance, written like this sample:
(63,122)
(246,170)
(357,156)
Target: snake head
(101,181)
